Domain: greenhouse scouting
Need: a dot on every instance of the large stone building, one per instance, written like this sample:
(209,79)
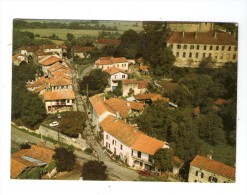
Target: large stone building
(206,170)
(190,48)
(191,26)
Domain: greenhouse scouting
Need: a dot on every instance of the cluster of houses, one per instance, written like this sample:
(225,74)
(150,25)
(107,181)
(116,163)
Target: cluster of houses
(55,87)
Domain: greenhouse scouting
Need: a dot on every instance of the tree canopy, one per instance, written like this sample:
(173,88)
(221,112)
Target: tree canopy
(94,170)
(64,158)
(163,159)
(96,82)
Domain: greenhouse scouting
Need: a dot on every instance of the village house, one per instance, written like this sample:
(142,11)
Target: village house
(38,86)
(26,159)
(206,170)
(132,146)
(55,67)
(48,62)
(134,87)
(39,55)
(109,62)
(18,58)
(82,51)
(190,48)
(60,84)
(56,101)
(150,97)
(101,43)
(125,108)
(116,75)
(99,111)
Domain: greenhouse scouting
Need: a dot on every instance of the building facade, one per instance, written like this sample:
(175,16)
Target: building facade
(190,48)
(191,26)
(109,62)
(206,170)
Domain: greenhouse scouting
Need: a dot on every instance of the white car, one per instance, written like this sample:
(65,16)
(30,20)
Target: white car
(54,124)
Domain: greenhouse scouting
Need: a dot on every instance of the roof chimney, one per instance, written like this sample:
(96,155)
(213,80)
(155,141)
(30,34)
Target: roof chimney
(215,34)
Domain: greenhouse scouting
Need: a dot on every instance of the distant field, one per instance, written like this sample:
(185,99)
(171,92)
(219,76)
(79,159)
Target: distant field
(57,42)
(61,33)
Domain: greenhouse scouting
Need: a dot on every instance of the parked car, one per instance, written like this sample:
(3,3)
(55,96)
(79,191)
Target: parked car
(54,124)
(59,116)
(145,173)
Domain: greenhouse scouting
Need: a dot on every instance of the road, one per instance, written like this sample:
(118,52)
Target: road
(86,71)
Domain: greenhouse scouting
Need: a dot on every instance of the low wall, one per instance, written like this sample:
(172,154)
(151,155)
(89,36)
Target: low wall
(78,143)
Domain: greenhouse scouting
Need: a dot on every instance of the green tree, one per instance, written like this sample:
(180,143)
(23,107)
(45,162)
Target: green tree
(94,170)
(163,159)
(70,36)
(72,129)
(130,44)
(96,82)
(211,128)
(64,158)
(118,90)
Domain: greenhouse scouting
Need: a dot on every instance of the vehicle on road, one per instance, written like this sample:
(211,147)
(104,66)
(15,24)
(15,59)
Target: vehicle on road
(54,124)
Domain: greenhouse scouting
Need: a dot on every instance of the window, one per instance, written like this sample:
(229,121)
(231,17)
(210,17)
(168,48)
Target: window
(216,56)
(235,49)
(106,136)
(177,54)
(229,48)
(211,47)
(192,47)
(234,56)
(223,48)
(197,55)
(203,55)
(210,55)
(190,55)
(178,46)
(199,174)
(123,76)
(212,179)
(217,47)
(185,46)
(68,101)
(139,154)
(121,146)
(112,141)
(198,47)
(132,152)
(205,47)
(171,46)
(184,54)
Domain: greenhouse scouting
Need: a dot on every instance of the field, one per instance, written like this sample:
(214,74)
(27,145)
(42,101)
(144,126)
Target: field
(61,33)
(122,26)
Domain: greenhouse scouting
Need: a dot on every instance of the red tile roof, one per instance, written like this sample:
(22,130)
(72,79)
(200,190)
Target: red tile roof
(123,107)
(42,53)
(38,83)
(214,166)
(130,136)
(19,164)
(151,96)
(59,95)
(113,70)
(42,87)
(108,60)
(82,49)
(220,101)
(51,60)
(129,81)
(221,38)
(99,105)
(108,41)
(55,67)
(142,84)
(59,81)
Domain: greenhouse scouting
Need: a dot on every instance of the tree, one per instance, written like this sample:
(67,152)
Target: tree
(96,82)
(206,65)
(211,128)
(163,159)
(64,158)
(70,36)
(72,129)
(94,170)
(118,90)
(130,44)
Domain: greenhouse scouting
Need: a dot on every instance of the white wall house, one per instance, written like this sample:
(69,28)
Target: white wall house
(59,100)
(133,146)
(116,75)
(99,111)
(206,170)
(109,62)
(134,87)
